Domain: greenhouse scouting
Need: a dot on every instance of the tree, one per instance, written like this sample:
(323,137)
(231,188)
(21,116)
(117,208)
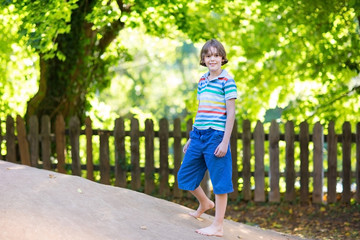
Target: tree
(71,38)
(300,58)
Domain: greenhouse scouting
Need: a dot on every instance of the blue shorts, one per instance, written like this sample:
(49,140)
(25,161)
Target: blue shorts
(200,156)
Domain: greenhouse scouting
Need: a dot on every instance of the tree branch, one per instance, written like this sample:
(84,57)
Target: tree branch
(109,35)
(110,32)
(354,89)
(123,7)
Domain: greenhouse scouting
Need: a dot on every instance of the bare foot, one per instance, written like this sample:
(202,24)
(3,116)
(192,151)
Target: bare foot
(202,208)
(211,230)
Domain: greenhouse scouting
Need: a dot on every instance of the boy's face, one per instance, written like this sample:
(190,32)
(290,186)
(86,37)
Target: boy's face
(213,60)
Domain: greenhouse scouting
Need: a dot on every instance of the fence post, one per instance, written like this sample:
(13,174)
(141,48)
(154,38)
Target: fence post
(304,162)
(1,139)
(45,142)
(246,170)
(234,156)
(120,158)
(135,155)
(274,174)
(177,155)
(22,141)
(346,148)
(357,194)
(10,140)
(290,164)
(318,175)
(60,142)
(34,140)
(332,162)
(89,149)
(259,138)
(74,132)
(149,157)
(164,154)
(104,158)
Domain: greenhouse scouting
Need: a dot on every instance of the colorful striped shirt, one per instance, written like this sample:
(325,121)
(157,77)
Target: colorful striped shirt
(212,96)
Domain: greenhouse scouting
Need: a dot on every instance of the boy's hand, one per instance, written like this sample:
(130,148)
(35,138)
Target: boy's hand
(186,145)
(221,150)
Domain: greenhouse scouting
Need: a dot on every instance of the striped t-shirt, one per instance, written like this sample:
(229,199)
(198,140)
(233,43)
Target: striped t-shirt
(212,96)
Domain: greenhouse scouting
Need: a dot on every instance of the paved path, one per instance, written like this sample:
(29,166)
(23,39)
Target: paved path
(38,204)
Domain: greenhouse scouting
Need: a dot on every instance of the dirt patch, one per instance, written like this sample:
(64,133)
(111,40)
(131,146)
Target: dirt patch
(333,221)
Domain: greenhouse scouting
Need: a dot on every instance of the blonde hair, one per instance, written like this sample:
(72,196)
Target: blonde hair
(206,49)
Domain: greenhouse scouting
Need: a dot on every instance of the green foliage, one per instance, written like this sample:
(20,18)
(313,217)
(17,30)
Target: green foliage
(42,22)
(18,67)
(299,57)
(156,83)
(72,39)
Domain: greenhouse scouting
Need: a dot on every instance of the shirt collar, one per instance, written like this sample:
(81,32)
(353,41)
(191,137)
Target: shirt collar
(222,75)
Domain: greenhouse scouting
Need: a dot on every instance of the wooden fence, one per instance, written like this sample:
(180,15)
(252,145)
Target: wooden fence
(251,185)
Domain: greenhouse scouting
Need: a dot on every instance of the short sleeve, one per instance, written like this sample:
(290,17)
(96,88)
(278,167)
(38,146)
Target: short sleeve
(230,89)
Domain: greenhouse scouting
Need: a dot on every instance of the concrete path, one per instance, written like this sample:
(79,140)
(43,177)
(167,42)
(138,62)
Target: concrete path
(38,204)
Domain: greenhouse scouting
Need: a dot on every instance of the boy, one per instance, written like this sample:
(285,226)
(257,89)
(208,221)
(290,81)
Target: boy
(208,145)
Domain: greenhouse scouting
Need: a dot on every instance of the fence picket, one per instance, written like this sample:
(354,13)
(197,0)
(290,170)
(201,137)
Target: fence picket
(33,137)
(177,155)
(135,154)
(274,175)
(74,132)
(120,158)
(22,141)
(46,142)
(234,156)
(346,163)
(318,174)
(332,163)
(10,140)
(259,138)
(1,139)
(104,158)
(304,162)
(149,157)
(89,149)
(357,174)
(164,157)
(246,171)
(290,161)
(60,142)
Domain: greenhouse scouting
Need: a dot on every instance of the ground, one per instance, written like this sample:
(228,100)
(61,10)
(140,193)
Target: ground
(333,221)
(37,204)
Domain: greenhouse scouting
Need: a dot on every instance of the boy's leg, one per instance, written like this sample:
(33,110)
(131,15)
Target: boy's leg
(216,228)
(204,202)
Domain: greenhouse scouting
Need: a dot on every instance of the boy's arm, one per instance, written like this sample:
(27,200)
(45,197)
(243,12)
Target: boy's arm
(186,145)
(221,150)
